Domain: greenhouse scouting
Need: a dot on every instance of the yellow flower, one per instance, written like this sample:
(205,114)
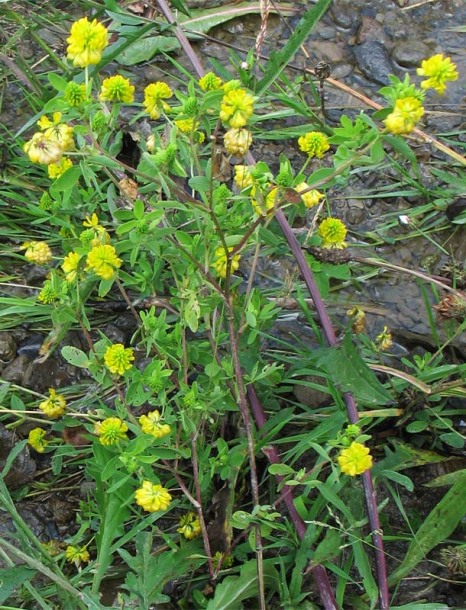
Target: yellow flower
(70,266)
(314,143)
(111,431)
(243,178)
(354,460)
(236,108)
(77,555)
(154,96)
(311,198)
(333,233)
(55,170)
(406,113)
(152,497)
(267,205)
(48,294)
(439,70)
(54,406)
(220,264)
(75,94)
(384,340)
(118,359)
(42,149)
(103,261)
(187,125)
(117,89)
(150,424)
(86,42)
(36,438)
(61,133)
(237,141)
(190,526)
(37,252)
(210,82)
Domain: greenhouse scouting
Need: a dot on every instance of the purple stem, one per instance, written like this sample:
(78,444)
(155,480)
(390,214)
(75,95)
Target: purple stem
(351,408)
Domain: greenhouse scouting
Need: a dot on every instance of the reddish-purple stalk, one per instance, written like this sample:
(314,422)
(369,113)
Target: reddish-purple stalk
(320,574)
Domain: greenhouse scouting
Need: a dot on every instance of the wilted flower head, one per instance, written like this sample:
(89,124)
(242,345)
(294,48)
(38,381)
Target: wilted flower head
(86,42)
(117,89)
(236,108)
(237,141)
(314,143)
(37,252)
(355,460)
(42,149)
(243,178)
(118,359)
(54,406)
(111,431)
(152,497)
(439,70)
(384,340)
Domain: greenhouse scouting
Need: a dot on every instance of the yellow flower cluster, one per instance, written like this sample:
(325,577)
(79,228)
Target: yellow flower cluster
(406,113)
(70,266)
(103,261)
(86,42)
(333,233)
(384,340)
(439,70)
(37,440)
(190,526)
(37,252)
(151,424)
(355,460)
(117,89)
(236,108)
(52,142)
(210,82)
(220,264)
(154,96)
(111,431)
(243,177)
(77,555)
(118,359)
(54,406)
(152,497)
(310,198)
(55,170)
(314,144)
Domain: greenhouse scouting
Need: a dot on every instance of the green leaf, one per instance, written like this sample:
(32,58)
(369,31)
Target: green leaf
(11,578)
(436,528)
(417,426)
(279,60)
(75,356)
(57,82)
(66,181)
(280,469)
(144,49)
(453,439)
(350,373)
(231,592)
(399,478)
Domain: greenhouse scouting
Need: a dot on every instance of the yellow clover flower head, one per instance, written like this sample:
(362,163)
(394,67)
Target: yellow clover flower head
(310,198)
(118,358)
(75,94)
(54,406)
(220,264)
(333,233)
(117,89)
(154,96)
(439,70)
(48,294)
(55,170)
(151,424)
(42,149)
(314,144)
(86,42)
(70,266)
(37,440)
(236,108)
(103,261)
(77,555)
(37,252)
(243,177)
(384,340)
(355,460)
(190,526)
(210,82)
(406,113)
(237,141)
(152,497)
(111,431)
(187,125)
